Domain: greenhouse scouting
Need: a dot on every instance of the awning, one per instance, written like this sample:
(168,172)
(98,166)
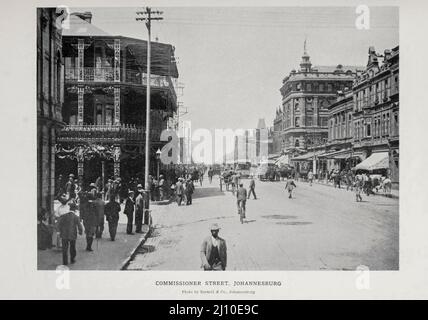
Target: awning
(378,160)
(308,156)
(348,155)
(284,159)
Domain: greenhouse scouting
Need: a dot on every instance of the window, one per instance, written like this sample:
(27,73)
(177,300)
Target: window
(299,87)
(309,87)
(297,143)
(297,122)
(329,87)
(321,87)
(387,124)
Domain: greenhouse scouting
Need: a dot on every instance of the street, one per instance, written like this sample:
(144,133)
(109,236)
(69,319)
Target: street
(321,228)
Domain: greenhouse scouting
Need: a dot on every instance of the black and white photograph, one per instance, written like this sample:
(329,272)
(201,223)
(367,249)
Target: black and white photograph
(218,138)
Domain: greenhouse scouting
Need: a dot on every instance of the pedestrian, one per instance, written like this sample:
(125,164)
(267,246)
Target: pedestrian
(210,175)
(90,222)
(112,210)
(289,186)
(358,188)
(139,209)
(214,251)
(62,209)
(179,190)
(241,196)
(310,178)
(252,188)
(161,186)
(190,188)
(99,184)
(93,190)
(108,189)
(99,207)
(69,224)
(70,187)
(129,211)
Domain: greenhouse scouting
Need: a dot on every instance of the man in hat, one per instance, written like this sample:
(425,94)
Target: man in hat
(289,186)
(62,209)
(241,199)
(161,186)
(89,216)
(139,209)
(112,210)
(70,187)
(68,225)
(190,188)
(214,251)
(252,188)
(108,189)
(93,190)
(99,207)
(179,190)
(129,211)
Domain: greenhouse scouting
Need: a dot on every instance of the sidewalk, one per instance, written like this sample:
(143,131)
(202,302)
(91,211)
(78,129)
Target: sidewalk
(394,193)
(107,254)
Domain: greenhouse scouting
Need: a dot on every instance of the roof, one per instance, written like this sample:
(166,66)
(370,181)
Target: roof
(378,160)
(80,27)
(334,68)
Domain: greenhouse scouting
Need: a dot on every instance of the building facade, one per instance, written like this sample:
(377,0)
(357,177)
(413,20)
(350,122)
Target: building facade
(376,109)
(50,72)
(105,102)
(302,120)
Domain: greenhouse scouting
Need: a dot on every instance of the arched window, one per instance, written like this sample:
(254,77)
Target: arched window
(297,143)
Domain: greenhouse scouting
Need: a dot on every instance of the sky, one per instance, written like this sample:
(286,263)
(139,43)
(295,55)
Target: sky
(232,61)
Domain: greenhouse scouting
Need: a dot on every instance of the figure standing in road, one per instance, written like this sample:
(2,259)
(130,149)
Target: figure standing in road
(214,251)
(68,226)
(290,185)
(190,188)
(112,210)
(99,205)
(179,190)
(310,177)
(241,196)
(252,188)
(210,175)
(139,209)
(358,188)
(70,187)
(129,211)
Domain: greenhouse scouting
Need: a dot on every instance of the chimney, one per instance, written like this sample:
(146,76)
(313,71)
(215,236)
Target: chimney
(387,54)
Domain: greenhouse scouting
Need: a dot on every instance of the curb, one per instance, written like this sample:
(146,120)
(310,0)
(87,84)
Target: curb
(140,242)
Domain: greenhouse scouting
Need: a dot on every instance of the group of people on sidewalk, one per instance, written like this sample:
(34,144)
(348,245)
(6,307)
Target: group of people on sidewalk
(94,209)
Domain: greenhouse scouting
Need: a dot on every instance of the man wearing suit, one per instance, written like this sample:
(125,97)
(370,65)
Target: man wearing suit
(129,211)
(214,251)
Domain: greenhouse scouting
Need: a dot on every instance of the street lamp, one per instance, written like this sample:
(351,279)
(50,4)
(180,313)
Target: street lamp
(158,154)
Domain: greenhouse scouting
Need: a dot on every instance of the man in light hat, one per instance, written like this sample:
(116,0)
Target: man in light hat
(214,251)
(139,209)
(93,190)
(69,225)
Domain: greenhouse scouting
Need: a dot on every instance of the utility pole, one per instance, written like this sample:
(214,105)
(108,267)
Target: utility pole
(147,17)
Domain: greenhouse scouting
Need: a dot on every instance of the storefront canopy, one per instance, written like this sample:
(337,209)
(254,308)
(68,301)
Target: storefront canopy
(378,160)
(284,159)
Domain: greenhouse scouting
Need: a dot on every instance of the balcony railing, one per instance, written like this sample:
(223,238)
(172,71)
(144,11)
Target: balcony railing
(106,74)
(106,133)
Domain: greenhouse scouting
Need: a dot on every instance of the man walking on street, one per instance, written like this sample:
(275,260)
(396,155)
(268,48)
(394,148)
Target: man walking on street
(214,251)
(99,211)
(179,189)
(241,196)
(129,211)
(70,187)
(139,209)
(310,177)
(190,188)
(90,223)
(112,210)
(252,188)
(290,185)
(68,225)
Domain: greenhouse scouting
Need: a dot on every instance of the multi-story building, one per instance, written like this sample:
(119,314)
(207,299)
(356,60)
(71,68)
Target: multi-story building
(376,116)
(49,102)
(105,101)
(302,120)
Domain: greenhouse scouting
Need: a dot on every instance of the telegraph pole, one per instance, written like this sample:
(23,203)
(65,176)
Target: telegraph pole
(147,17)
